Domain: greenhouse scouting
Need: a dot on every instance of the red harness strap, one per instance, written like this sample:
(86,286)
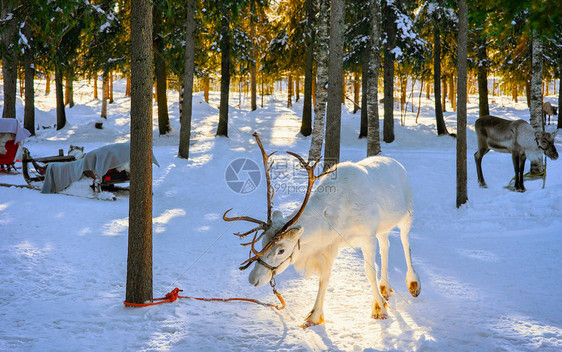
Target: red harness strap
(174,295)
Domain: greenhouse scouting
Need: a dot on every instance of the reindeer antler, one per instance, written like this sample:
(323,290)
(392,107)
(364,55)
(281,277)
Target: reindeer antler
(311,179)
(267,167)
(262,225)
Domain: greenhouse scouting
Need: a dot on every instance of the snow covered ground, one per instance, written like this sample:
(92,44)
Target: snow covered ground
(489,271)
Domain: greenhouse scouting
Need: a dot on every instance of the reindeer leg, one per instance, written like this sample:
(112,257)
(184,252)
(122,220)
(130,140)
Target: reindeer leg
(384,284)
(378,308)
(412,279)
(316,315)
(522,159)
(516,156)
(482,150)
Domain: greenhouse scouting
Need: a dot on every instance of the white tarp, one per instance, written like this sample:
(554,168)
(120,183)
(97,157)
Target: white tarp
(60,175)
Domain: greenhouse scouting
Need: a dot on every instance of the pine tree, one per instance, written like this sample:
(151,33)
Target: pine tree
(139,259)
(189,70)
(321,81)
(335,83)
(371,76)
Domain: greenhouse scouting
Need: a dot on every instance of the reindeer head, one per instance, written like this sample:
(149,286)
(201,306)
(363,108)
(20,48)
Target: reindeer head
(280,236)
(545,142)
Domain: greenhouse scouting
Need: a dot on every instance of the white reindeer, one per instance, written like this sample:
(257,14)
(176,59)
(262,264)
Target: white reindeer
(367,200)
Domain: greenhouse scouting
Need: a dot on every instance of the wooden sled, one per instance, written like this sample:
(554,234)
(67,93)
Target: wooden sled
(34,170)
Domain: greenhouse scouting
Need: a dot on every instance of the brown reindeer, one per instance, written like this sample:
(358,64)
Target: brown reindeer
(515,137)
(549,109)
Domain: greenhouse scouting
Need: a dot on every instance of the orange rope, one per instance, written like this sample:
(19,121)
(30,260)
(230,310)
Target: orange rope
(174,295)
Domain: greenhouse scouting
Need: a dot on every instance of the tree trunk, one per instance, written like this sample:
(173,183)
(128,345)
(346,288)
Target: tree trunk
(9,62)
(189,69)
(253,69)
(356,91)
(139,259)
(29,111)
(110,87)
(128,86)
(104,90)
(322,81)
(61,114)
(206,84)
(372,78)
(559,125)
(290,91)
(306,124)
(222,129)
(161,77)
(365,61)
(444,95)
(462,196)
(388,70)
(69,90)
(335,85)
(528,92)
(484,108)
(48,83)
(95,85)
(440,121)
(536,120)
(452,93)
(514,92)
(297,88)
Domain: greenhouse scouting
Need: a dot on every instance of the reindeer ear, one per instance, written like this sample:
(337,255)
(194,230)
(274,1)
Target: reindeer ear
(295,232)
(553,134)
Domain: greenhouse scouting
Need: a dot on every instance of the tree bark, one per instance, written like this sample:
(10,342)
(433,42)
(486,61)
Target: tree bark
(372,73)
(356,91)
(139,259)
(161,77)
(559,125)
(48,83)
(222,129)
(9,62)
(388,71)
(306,124)
(452,93)
(440,121)
(61,113)
(110,87)
(29,111)
(335,85)
(290,91)
(322,81)
(206,84)
(96,85)
(462,195)
(104,90)
(444,95)
(363,131)
(536,94)
(128,86)
(189,69)
(69,91)
(484,108)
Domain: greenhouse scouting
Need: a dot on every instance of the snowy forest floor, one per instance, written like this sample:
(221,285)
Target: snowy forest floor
(489,270)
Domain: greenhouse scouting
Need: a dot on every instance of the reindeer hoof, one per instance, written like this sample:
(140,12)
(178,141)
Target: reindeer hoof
(311,322)
(386,293)
(378,312)
(414,288)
